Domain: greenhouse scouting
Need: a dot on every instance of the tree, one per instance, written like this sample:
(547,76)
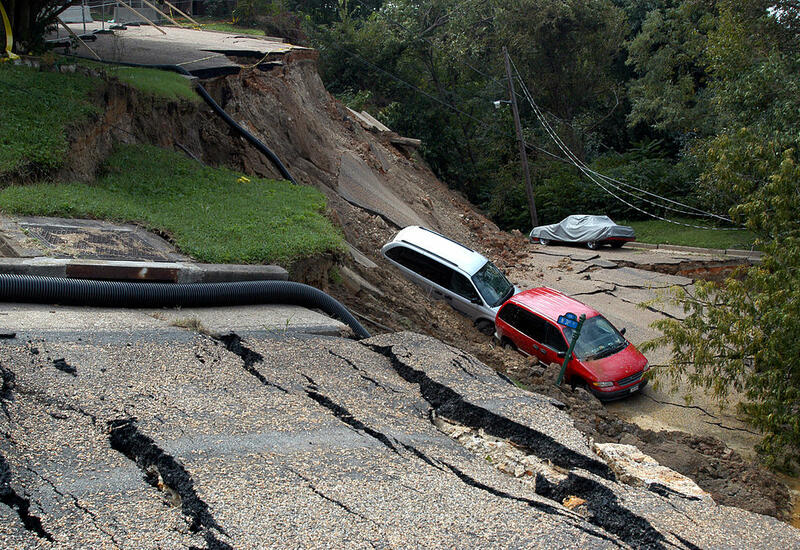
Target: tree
(30,20)
(742,336)
(667,55)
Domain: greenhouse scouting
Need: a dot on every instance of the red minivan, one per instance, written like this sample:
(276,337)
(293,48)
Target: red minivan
(603,360)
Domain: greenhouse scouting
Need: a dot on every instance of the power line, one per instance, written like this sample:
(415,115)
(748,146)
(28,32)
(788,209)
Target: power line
(590,173)
(571,159)
(450,106)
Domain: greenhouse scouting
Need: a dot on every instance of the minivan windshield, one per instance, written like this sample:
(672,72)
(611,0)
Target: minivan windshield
(598,339)
(493,285)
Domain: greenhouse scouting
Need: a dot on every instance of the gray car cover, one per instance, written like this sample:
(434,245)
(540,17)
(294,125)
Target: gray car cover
(582,228)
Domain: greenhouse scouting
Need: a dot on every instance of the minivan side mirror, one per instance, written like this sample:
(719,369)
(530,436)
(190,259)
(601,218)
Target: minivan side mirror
(476,300)
(622,331)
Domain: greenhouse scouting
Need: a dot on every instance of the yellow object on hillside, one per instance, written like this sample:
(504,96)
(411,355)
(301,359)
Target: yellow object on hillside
(9,34)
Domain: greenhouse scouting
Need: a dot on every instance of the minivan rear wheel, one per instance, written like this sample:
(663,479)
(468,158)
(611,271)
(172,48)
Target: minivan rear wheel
(508,344)
(594,245)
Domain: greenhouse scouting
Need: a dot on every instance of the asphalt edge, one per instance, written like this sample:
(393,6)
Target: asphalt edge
(754,255)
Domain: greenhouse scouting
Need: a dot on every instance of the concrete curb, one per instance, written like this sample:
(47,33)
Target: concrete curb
(749,254)
(172,272)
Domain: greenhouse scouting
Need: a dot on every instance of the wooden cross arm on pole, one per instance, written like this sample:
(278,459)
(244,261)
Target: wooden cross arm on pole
(162,13)
(159,29)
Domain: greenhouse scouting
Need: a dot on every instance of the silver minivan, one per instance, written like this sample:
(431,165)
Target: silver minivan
(450,271)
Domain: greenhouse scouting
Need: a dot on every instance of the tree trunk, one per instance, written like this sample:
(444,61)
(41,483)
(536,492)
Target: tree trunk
(29,19)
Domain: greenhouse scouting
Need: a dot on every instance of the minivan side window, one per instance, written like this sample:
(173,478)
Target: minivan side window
(433,271)
(419,263)
(532,325)
(461,286)
(509,313)
(555,339)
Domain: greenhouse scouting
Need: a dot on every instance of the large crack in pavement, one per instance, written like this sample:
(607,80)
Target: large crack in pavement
(605,511)
(449,404)
(541,506)
(21,505)
(7,389)
(233,343)
(164,472)
(345,416)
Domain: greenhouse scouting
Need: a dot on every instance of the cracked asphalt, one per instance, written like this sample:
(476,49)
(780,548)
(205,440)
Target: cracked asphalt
(168,438)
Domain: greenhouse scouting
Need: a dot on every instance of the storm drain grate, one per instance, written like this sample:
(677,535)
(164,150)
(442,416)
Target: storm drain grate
(94,243)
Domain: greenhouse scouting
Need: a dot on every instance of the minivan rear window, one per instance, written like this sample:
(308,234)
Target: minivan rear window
(492,284)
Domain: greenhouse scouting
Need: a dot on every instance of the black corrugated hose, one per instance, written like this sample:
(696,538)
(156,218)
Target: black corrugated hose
(58,290)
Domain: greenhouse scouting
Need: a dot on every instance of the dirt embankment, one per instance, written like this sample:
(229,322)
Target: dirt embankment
(373,188)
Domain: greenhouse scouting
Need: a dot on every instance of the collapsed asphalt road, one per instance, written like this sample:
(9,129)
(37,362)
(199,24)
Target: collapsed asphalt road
(164,437)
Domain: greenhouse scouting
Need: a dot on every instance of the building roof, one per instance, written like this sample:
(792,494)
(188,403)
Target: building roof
(551,303)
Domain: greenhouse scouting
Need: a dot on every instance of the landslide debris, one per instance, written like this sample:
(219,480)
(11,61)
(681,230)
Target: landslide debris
(287,107)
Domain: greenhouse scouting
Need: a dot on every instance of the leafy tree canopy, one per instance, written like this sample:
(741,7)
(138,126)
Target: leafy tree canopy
(742,337)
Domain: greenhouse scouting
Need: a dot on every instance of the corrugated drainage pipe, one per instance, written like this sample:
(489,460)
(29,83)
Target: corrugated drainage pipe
(58,290)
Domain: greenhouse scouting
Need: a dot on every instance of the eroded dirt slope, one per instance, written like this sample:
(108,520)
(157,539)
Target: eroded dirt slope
(373,188)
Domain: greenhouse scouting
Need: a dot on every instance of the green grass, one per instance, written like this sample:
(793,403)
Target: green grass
(155,82)
(661,232)
(36,109)
(211,214)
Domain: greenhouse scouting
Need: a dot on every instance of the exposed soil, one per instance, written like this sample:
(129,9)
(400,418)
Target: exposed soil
(288,108)
(730,479)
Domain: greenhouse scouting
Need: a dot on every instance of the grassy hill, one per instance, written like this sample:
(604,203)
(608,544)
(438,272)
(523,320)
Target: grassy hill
(212,214)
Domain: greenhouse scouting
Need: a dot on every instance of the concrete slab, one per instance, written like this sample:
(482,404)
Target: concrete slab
(605,264)
(275,319)
(174,272)
(199,51)
(360,257)
(358,184)
(76,14)
(28,236)
(356,282)
(639,278)
(143,14)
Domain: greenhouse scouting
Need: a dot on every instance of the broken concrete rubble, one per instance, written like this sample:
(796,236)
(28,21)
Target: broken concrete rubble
(635,468)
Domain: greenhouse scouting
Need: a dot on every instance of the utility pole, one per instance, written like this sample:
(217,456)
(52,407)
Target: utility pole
(523,154)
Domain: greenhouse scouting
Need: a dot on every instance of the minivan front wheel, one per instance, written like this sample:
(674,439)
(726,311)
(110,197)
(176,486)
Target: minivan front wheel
(485,326)
(594,245)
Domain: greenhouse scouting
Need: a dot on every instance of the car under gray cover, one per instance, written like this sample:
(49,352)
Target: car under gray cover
(580,228)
